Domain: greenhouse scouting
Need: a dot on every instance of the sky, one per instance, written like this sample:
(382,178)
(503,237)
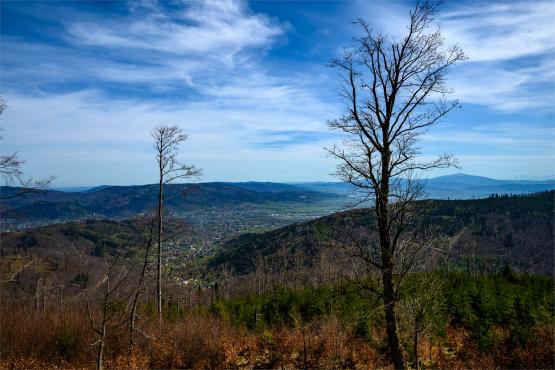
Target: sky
(85,83)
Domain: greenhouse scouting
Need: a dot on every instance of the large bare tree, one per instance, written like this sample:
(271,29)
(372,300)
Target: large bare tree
(394,91)
(166,143)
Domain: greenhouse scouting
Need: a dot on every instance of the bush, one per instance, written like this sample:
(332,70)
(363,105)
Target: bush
(67,342)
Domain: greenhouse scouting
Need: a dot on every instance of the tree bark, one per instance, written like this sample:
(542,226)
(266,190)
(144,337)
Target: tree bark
(415,348)
(99,358)
(386,248)
(139,289)
(37,295)
(159,264)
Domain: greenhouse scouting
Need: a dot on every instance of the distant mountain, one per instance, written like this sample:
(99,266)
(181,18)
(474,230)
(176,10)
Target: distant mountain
(341,188)
(96,188)
(461,179)
(268,187)
(128,201)
(462,186)
(118,202)
(456,186)
(513,230)
(72,189)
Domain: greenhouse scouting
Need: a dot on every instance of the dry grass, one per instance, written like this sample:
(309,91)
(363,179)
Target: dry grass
(200,341)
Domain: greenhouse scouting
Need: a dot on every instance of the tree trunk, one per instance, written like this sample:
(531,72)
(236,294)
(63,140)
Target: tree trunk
(37,295)
(391,322)
(159,264)
(99,358)
(389,298)
(415,349)
(132,324)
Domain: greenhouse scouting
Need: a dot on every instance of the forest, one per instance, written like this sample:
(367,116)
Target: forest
(480,321)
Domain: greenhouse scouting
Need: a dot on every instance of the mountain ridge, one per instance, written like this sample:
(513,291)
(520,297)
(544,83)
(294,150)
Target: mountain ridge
(122,201)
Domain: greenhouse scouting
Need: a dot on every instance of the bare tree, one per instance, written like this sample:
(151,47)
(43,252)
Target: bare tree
(10,164)
(11,170)
(112,310)
(141,281)
(166,142)
(394,90)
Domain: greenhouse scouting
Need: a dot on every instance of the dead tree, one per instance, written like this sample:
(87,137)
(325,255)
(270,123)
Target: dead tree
(141,281)
(10,164)
(111,310)
(394,90)
(11,171)
(166,142)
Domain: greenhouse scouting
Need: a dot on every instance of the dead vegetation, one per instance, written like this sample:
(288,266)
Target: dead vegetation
(200,340)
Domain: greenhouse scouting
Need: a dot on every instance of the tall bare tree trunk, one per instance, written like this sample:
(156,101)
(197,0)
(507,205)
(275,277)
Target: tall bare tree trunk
(391,87)
(100,355)
(166,142)
(386,248)
(415,348)
(159,264)
(37,294)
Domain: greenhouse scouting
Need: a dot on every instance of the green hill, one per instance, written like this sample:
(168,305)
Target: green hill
(513,230)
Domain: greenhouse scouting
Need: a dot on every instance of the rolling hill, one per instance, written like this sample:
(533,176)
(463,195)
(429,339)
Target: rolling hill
(513,230)
(118,202)
(289,202)
(484,234)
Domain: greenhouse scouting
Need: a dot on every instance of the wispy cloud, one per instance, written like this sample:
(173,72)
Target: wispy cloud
(206,29)
(501,137)
(150,44)
(196,64)
(88,93)
(494,31)
(509,44)
(62,133)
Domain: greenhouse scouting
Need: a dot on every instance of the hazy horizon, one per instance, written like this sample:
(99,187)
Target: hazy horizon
(85,186)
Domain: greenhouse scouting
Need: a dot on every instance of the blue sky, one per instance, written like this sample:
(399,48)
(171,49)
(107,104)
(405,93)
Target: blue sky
(86,82)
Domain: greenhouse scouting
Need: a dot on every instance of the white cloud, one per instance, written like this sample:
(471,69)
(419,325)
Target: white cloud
(62,133)
(511,53)
(501,137)
(202,66)
(509,44)
(204,29)
(153,46)
(502,87)
(501,31)
(199,67)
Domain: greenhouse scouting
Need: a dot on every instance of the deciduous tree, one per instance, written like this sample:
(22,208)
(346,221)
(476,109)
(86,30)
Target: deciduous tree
(394,90)
(167,140)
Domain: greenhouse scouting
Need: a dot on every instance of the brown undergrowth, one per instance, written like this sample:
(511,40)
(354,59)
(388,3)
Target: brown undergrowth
(201,341)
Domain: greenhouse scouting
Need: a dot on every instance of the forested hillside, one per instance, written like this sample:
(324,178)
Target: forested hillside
(120,202)
(484,234)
